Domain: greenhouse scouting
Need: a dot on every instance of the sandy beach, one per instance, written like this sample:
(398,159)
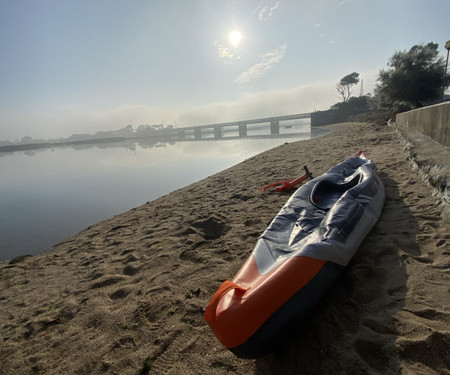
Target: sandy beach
(133,288)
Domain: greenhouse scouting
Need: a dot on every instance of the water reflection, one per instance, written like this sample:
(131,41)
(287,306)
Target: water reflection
(59,191)
(290,129)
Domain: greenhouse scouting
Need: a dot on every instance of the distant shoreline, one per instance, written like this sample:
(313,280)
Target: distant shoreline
(317,131)
(36,146)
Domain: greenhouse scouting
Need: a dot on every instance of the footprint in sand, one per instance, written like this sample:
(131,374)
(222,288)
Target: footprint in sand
(130,270)
(119,294)
(212,228)
(107,282)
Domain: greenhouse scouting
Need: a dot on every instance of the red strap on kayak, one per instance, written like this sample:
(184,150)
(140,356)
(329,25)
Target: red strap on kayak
(289,184)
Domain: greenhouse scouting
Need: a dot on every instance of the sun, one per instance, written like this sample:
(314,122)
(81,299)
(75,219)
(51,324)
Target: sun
(235,38)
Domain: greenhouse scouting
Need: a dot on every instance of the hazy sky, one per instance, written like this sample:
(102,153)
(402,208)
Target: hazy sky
(74,66)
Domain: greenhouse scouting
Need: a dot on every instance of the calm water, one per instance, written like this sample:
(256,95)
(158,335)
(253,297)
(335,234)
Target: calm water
(50,194)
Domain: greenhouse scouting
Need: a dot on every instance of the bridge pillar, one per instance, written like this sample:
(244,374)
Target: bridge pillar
(242,130)
(181,135)
(197,134)
(274,127)
(217,132)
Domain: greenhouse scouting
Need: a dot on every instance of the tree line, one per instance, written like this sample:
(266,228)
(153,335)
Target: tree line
(412,79)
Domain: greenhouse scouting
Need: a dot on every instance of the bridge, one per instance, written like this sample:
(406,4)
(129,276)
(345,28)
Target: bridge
(241,126)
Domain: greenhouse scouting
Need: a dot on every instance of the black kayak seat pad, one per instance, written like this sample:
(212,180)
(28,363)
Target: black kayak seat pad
(326,193)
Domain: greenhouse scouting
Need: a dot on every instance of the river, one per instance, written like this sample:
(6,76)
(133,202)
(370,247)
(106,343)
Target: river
(50,194)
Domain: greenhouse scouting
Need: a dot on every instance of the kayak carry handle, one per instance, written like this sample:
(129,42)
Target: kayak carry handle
(360,153)
(289,184)
(308,172)
(224,288)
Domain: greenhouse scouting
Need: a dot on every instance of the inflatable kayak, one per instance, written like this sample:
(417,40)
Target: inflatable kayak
(297,258)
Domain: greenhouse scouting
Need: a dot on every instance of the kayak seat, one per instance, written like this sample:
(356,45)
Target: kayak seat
(326,193)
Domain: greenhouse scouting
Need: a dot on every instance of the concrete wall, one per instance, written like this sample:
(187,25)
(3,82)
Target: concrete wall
(433,121)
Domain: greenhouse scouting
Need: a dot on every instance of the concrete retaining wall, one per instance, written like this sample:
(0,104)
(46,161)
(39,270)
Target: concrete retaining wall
(433,121)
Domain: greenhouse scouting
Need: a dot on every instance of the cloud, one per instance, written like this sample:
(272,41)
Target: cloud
(268,60)
(344,2)
(267,11)
(228,55)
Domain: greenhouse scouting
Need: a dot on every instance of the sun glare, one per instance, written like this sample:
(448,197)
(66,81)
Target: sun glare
(235,38)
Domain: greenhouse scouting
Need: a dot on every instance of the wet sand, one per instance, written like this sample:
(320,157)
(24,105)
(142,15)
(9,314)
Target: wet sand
(134,287)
